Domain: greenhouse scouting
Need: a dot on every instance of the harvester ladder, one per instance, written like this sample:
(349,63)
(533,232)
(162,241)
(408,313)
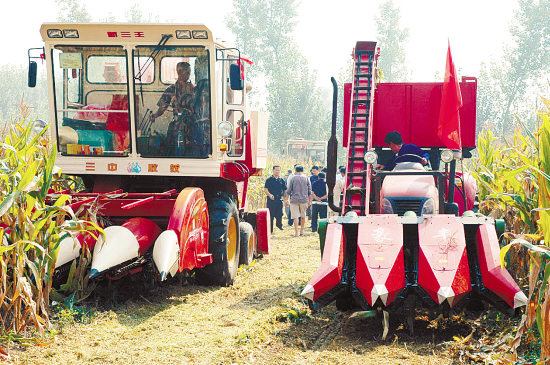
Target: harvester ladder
(362,89)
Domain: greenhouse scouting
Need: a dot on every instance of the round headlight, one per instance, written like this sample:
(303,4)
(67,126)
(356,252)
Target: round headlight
(225,129)
(387,207)
(447,156)
(428,207)
(38,126)
(371,157)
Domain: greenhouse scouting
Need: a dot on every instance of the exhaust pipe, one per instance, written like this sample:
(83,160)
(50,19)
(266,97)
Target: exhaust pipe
(332,158)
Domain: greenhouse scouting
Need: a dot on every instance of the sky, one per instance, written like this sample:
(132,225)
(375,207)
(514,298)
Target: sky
(326,31)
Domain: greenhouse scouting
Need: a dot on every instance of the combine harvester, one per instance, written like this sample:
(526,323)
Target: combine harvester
(407,237)
(167,165)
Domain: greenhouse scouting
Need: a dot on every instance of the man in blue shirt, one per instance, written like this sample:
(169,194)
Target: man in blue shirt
(394,140)
(320,200)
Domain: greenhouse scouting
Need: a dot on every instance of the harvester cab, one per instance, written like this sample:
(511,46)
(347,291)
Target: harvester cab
(406,237)
(154,119)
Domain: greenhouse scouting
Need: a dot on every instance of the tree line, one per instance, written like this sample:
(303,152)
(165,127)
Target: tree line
(286,86)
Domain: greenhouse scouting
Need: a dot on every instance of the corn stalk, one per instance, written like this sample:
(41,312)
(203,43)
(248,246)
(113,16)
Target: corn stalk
(515,184)
(30,229)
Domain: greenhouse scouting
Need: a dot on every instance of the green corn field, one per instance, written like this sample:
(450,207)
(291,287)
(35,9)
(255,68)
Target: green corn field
(513,183)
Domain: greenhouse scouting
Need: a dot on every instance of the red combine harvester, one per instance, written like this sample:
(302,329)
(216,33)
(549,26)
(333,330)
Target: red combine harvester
(154,119)
(408,236)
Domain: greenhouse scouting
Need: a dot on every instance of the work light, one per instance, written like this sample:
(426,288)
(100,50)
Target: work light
(225,129)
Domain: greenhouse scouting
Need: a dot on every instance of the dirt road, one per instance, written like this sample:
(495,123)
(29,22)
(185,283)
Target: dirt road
(261,319)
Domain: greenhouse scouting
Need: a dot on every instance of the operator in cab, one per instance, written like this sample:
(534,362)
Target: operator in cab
(395,141)
(179,97)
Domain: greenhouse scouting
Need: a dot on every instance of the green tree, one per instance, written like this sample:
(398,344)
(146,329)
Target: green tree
(391,40)
(263,32)
(73,11)
(135,15)
(504,84)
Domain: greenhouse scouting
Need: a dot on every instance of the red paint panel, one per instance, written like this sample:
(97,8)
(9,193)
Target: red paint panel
(380,256)
(329,274)
(156,208)
(413,110)
(443,260)
(190,220)
(263,230)
(495,278)
(145,231)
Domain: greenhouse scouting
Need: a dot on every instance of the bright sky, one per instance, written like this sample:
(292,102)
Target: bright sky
(326,32)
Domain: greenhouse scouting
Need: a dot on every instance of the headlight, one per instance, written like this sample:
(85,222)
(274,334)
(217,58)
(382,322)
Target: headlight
(428,207)
(225,129)
(447,156)
(55,33)
(387,207)
(38,126)
(371,157)
(200,34)
(70,33)
(183,34)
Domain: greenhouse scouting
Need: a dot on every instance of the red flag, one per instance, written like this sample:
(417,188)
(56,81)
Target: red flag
(451,102)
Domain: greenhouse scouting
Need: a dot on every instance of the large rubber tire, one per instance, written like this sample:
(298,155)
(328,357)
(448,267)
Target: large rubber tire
(248,242)
(223,243)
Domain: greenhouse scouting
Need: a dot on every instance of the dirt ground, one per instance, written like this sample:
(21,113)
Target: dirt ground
(261,319)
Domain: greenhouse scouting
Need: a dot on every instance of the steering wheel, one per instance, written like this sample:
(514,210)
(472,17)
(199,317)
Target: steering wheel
(409,155)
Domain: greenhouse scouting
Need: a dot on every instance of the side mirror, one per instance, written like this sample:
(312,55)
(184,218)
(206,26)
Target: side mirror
(235,79)
(32,73)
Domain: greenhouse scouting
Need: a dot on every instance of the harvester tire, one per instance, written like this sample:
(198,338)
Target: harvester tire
(248,241)
(223,242)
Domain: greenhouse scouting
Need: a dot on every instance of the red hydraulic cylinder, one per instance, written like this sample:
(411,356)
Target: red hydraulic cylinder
(380,270)
(443,270)
(329,274)
(496,278)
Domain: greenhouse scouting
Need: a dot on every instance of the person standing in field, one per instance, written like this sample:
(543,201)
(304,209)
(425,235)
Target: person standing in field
(319,202)
(338,188)
(275,188)
(287,207)
(299,191)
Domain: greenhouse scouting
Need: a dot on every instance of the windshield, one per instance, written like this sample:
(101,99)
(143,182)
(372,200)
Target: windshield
(91,97)
(173,110)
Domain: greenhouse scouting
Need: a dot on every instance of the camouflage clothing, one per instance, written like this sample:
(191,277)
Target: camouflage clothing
(179,96)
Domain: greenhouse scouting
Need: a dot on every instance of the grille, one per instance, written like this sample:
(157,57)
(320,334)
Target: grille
(402,205)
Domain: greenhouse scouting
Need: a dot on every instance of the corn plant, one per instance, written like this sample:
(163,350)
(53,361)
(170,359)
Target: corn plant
(514,184)
(31,227)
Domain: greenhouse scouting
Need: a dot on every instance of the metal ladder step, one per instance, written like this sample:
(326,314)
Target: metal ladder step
(364,63)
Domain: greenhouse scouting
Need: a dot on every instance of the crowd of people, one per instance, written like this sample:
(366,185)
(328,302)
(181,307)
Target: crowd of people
(303,196)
